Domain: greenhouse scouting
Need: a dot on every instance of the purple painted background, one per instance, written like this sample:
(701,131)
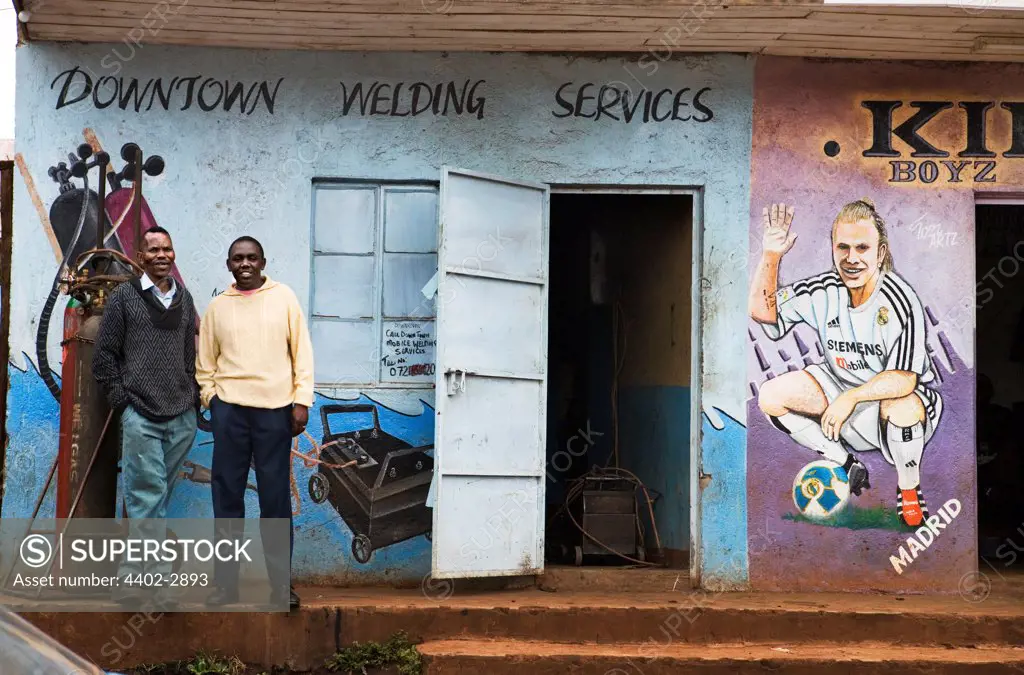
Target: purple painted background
(791,127)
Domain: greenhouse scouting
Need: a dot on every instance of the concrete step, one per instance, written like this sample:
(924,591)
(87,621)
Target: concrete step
(639,619)
(508,657)
(563,579)
(334,618)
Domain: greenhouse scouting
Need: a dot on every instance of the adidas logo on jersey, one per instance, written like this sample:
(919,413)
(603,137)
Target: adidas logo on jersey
(834,323)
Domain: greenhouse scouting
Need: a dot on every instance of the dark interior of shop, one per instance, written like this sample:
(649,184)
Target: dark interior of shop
(1000,382)
(619,368)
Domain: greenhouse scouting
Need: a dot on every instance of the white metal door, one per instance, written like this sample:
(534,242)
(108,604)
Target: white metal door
(491,398)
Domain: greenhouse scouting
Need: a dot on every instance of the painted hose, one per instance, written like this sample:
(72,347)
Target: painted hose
(43,331)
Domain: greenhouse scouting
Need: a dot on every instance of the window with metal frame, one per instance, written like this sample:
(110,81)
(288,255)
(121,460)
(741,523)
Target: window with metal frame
(371,304)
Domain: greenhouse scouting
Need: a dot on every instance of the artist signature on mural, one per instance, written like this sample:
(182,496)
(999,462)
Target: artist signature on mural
(933,234)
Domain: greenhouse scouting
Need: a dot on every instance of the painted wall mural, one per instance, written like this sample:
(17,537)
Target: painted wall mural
(246,133)
(861,411)
(345,458)
(335,546)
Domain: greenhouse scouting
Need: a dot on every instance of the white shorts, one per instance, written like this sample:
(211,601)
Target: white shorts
(862,431)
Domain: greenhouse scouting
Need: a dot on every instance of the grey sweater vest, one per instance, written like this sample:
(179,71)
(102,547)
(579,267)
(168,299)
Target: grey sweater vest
(146,355)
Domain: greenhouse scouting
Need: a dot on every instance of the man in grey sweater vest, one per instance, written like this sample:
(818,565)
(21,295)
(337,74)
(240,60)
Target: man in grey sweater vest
(145,361)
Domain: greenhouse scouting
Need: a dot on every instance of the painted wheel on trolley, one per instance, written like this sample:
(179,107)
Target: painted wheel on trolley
(203,423)
(361,548)
(318,488)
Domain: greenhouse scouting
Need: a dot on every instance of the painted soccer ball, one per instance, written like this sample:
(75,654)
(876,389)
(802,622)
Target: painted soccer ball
(821,489)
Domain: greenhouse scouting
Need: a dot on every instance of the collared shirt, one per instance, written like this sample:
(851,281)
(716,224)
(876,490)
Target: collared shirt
(164,298)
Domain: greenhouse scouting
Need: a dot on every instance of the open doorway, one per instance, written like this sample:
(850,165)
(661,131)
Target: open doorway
(1000,372)
(619,345)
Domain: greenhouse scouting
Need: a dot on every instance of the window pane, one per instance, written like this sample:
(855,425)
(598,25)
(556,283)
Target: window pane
(410,222)
(343,286)
(405,275)
(344,221)
(346,352)
(407,351)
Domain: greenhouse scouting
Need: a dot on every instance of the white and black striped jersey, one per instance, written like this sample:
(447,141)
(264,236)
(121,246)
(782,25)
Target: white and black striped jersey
(885,333)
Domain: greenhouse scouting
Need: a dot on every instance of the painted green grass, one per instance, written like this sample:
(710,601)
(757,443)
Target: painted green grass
(855,518)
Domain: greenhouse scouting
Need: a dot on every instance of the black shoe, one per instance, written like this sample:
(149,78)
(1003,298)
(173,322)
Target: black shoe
(222,596)
(293,599)
(858,475)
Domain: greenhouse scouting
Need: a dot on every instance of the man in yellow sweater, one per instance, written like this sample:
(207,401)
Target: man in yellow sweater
(254,366)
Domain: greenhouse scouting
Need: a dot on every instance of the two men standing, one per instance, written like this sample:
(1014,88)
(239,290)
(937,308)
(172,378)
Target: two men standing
(253,369)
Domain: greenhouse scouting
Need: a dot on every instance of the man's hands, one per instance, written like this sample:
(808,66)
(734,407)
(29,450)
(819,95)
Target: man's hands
(777,239)
(836,414)
(300,417)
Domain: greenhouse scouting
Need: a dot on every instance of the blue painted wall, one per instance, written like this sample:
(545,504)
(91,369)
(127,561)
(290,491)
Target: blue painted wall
(725,549)
(32,428)
(655,441)
(325,540)
(230,173)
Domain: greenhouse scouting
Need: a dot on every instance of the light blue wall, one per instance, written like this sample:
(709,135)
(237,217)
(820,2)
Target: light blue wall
(724,549)
(230,173)
(655,442)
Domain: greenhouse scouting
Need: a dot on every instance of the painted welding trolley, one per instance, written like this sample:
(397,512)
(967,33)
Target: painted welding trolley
(377,483)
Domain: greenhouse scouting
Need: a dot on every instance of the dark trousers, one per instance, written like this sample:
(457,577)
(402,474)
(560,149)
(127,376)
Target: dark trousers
(263,438)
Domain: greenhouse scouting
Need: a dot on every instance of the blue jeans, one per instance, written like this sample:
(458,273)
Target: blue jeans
(152,454)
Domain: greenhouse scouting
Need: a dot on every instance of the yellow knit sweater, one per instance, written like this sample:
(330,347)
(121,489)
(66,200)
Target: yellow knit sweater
(255,350)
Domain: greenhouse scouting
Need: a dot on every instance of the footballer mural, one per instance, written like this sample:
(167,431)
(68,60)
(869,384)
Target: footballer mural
(872,391)
(861,414)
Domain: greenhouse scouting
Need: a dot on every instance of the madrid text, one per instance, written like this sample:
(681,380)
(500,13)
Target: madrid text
(925,536)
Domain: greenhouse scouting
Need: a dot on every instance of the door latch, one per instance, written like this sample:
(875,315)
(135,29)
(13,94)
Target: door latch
(456,381)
